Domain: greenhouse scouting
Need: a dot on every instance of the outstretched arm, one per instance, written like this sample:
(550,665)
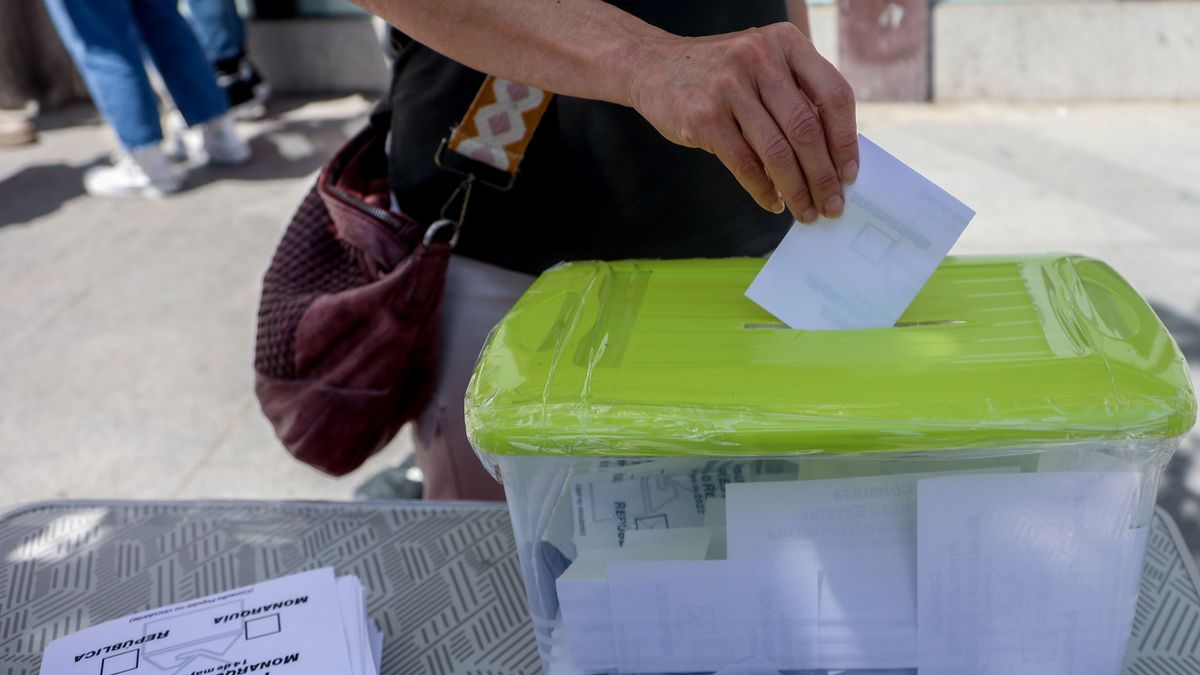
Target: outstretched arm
(777,114)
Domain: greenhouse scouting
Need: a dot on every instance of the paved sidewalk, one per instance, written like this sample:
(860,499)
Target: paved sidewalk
(126,328)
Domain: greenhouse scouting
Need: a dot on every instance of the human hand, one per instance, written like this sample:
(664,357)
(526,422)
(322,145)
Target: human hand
(777,114)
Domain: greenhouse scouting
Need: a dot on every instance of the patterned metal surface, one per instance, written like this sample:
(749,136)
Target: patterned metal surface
(1166,624)
(444,582)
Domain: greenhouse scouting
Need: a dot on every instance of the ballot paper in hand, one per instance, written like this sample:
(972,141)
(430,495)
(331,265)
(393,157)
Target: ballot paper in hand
(862,270)
(286,624)
(1026,573)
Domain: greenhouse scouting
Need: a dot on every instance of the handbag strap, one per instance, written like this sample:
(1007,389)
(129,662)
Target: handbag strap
(497,129)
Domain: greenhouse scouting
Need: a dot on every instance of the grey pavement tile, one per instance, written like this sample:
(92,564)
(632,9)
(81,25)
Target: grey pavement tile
(250,462)
(127,327)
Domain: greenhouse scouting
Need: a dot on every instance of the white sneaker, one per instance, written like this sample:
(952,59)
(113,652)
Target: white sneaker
(174,131)
(214,142)
(138,173)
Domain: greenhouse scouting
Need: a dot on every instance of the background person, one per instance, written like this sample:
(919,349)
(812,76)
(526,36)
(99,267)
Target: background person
(223,37)
(35,72)
(106,39)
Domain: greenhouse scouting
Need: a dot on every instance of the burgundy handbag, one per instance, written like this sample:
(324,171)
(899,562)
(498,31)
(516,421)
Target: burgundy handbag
(345,351)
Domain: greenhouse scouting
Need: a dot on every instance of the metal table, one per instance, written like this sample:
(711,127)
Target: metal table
(443,579)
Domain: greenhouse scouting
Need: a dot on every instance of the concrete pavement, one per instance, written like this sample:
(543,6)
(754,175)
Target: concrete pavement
(126,327)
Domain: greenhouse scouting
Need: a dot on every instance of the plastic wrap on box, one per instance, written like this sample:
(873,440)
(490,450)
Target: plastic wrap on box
(1022,410)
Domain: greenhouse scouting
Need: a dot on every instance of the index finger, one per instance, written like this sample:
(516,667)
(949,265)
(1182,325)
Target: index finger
(834,98)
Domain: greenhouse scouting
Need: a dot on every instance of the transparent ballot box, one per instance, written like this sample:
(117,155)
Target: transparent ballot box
(695,488)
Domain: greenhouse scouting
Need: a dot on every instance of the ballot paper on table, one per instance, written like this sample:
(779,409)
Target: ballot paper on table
(287,624)
(364,640)
(862,270)
(1027,573)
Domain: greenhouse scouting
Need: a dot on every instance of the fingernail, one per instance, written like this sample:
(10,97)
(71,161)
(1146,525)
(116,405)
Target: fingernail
(833,206)
(777,207)
(809,216)
(850,171)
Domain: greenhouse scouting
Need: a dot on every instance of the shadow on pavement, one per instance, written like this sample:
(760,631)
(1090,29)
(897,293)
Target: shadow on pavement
(287,149)
(1185,329)
(39,190)
(1178,491)
(1177,497)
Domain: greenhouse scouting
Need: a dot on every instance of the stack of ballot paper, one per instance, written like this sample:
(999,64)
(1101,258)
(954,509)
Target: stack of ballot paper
(951,572)
(304,624)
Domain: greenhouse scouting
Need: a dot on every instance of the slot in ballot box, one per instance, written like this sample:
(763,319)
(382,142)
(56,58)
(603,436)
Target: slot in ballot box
(695,488)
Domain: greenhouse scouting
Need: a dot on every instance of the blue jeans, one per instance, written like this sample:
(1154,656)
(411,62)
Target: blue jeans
(107,38)
(219,28)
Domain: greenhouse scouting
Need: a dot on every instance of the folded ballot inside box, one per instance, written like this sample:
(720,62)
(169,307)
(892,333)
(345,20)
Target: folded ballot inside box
(309,623)
(696,489)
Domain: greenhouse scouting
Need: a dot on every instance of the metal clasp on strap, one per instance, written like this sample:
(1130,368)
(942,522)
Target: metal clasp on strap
(463,193)
(490,177)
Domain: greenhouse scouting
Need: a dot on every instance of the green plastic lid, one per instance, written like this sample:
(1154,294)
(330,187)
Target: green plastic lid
(670,358)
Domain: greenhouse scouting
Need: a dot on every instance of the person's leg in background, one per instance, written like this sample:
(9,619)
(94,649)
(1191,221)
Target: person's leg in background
(179,59)
(176,53)
(218,27)
(16,93)
(102,40)
(223,38)
(477,296)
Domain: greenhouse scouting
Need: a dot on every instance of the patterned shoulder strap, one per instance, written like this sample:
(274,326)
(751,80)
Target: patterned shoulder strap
(499,125)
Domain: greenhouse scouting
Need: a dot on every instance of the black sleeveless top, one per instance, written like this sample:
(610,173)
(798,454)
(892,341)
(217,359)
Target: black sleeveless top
(598,181)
